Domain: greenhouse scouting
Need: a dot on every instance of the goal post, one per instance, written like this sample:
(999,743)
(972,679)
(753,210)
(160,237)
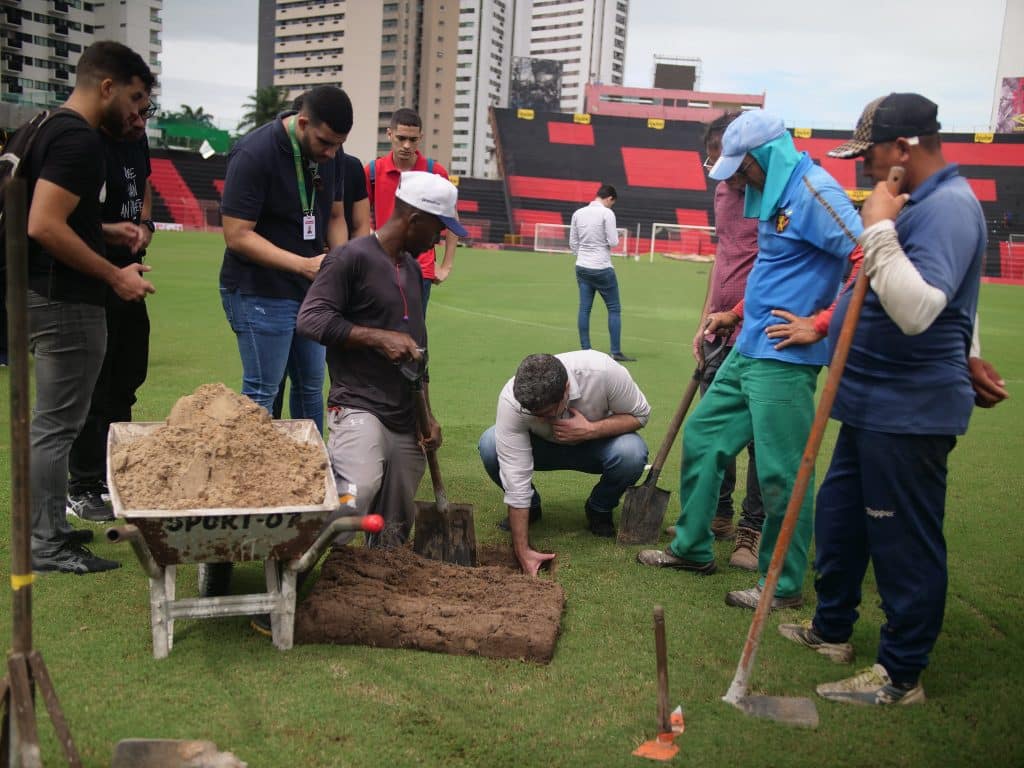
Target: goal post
(1013,267)
(554,238)
(687,242)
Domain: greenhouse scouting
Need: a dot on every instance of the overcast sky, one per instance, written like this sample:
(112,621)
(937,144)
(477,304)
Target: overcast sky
(818,61)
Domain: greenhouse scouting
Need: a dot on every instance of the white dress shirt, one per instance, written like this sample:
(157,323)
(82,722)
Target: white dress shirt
(592,235)
(598,387)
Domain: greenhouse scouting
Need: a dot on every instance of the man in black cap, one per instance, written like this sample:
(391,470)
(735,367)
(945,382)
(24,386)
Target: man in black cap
(905,395)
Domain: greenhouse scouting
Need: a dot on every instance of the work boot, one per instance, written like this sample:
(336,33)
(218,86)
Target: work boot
(749,598)
(723,529)
(744,554)
(73,558)
(805,634)
(535,515)
(872,686)
(599,523)
(658,558)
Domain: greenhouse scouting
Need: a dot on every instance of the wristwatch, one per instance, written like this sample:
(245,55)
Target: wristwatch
(148,224)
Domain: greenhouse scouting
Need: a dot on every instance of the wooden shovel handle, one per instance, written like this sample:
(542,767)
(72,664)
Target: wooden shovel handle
(423,423)
(674,425)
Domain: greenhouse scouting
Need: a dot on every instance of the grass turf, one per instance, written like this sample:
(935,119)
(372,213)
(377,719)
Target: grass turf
(319,705)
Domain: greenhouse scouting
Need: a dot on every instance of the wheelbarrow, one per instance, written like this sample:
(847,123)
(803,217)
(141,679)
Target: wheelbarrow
(289,540)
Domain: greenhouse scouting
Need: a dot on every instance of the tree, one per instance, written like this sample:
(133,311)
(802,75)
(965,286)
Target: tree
(262,107)
(188,113)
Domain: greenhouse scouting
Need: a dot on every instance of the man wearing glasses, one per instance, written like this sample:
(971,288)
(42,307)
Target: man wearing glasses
(578,411)
(127,231)
(764,391)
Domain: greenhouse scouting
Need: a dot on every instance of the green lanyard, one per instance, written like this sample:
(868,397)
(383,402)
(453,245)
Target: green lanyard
(300,177)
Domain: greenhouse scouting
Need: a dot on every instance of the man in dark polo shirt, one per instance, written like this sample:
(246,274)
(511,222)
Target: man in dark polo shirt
(366,308)
(282,207)
(127,231)
(69,279)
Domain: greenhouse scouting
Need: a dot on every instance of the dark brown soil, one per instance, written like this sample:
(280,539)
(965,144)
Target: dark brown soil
(395,599)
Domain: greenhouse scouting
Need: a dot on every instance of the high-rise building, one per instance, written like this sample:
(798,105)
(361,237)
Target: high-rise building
(588,38)
(1008,100)
(42,40)
(386,55)
(539,54)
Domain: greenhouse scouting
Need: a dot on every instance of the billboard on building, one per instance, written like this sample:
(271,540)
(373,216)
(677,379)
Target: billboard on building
(1010,117)
(536,84)
(677,77)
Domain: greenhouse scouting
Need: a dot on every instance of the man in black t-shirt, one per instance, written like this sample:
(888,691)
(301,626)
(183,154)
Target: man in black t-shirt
(365,306)
(282,208)
(127,231)
(68,280)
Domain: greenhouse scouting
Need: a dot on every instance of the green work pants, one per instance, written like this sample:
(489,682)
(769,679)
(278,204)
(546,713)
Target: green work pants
(771,403)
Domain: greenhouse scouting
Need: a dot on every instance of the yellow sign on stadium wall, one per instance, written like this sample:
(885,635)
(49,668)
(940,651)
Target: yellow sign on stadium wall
(802,133)
(524,114)
(984,137)
(858,195)
(454,180)
(582,119)
(656,123)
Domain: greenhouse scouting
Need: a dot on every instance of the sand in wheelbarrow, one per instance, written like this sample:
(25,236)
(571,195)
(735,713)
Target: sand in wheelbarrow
(218,449)
(393,598)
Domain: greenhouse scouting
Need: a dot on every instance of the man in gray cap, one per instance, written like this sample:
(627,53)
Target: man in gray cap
(764,391)
(906,393)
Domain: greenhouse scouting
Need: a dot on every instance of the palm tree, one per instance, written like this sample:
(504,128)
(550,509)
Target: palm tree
(262,107)
(198,115)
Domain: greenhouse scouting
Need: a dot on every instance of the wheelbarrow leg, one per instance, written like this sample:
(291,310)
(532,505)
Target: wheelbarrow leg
(158,610)
(170,574)
(281,585)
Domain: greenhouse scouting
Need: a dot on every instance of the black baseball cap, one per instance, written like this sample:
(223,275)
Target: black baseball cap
(888,118)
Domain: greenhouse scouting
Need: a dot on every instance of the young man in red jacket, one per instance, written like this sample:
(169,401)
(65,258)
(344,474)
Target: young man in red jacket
(382,176)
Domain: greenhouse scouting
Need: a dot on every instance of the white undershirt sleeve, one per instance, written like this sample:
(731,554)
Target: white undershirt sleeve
(911,302)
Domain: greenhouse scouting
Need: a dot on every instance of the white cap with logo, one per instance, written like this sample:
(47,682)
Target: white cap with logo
(432,194)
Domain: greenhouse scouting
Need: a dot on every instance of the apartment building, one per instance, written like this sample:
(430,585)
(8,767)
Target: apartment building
(386,55)
(41,40)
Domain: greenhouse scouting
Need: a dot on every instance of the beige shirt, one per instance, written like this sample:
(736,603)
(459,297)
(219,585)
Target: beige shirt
(598,387)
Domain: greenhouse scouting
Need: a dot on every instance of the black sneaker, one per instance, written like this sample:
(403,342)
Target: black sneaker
(89,506)
(535,515)
(73,558)
(78,536)
(621,358)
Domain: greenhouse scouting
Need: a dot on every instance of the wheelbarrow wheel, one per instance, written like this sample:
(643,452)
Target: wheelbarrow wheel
(214,579)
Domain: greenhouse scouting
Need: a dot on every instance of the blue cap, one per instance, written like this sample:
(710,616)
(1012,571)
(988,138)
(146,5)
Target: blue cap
(750,130)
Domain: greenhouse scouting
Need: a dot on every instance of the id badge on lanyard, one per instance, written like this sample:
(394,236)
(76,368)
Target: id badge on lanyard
(308,216)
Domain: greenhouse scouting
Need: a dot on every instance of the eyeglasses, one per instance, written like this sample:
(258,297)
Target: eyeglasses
(708,164)
(149,111)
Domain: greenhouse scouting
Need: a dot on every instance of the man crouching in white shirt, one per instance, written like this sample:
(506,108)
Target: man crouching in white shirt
(578,411)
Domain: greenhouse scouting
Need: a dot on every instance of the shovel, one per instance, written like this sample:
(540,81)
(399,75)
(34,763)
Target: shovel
(644,505)
(443,531)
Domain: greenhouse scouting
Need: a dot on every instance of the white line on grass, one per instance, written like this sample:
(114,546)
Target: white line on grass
(515,321)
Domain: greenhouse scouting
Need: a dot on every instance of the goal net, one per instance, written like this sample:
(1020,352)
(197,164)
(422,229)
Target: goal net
(554,238)
(683,241)
(1013,267)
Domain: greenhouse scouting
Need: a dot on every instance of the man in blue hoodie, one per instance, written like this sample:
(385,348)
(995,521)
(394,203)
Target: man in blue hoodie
(807,230)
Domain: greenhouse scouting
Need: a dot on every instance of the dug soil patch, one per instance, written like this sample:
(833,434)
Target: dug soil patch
(393,598)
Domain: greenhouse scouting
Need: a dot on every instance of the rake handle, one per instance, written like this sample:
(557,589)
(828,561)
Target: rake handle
(740,683)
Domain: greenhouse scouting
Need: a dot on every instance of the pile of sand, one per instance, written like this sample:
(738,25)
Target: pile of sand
(218,449)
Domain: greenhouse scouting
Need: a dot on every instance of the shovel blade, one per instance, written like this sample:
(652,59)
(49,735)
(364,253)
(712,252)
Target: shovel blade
(448,536)
(643,512)
(791,710)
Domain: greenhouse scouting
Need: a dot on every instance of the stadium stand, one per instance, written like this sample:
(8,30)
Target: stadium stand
(552,164)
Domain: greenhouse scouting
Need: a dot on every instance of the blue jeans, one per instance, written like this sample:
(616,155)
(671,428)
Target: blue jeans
(884,499)
(68,342)
(601,281)
(618,460)
(269,346)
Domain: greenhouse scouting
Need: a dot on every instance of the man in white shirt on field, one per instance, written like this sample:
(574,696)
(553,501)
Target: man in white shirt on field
(591,237)
(578,411)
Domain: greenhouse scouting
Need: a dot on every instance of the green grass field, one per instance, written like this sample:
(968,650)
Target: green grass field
(358,706)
